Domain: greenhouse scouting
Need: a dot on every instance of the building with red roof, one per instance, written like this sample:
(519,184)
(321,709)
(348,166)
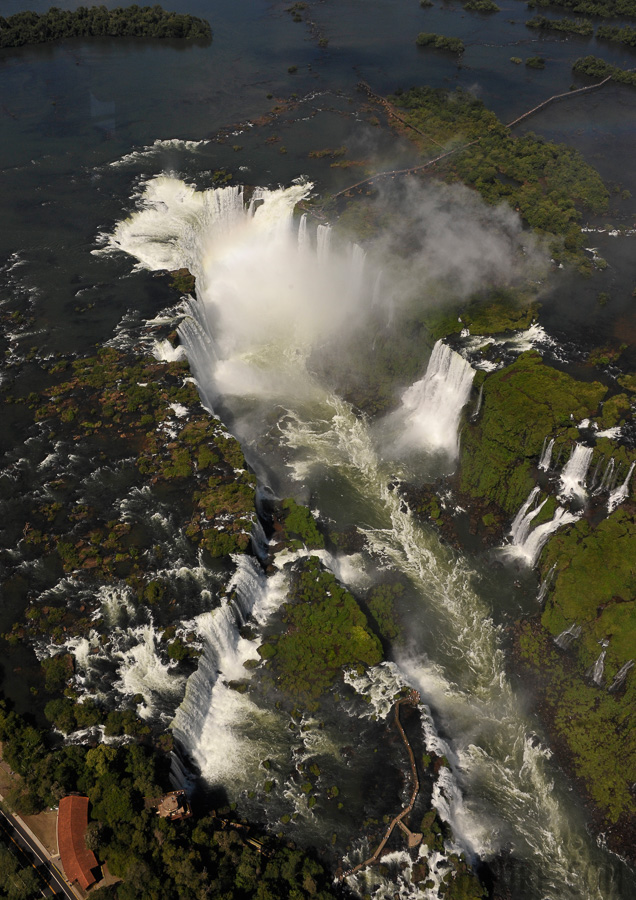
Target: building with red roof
(77,860)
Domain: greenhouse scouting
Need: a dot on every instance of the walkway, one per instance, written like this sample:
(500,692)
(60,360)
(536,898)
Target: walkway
(414,839)
(362,85)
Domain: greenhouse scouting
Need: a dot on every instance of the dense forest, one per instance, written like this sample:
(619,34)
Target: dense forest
(208,856)
(97,21)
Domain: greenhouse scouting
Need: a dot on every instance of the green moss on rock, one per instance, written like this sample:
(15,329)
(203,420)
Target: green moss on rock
(326,632)
(522,404)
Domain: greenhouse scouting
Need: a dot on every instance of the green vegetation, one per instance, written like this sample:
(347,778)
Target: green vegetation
(594,586)
(535,62)
(440,42)
(550,184)
(626,35)
(607,8)
(326,632)
(571,26)
(97,21)
(598,69)
(183,281)
(301,527)
(496,313)
(522,404)
(590,724)
(208,856)
(382,606)
(18,878)
(482,6)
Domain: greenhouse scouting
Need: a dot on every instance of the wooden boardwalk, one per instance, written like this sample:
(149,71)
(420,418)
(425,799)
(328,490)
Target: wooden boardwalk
(413,699)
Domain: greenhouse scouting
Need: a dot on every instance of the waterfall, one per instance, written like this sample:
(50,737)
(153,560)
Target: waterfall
(520,527)
(621,675)
(595,672)
(480,398)
(546,454)
(432,406)
(545,584)
(323,242)
(622,493)
(206,725)
(303,237)
(357,265)
(257,308)
(607,477)
(567,637)
(527,544)
(594,479)
(575,471)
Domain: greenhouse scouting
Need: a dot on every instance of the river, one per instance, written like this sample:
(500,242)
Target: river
(107,165)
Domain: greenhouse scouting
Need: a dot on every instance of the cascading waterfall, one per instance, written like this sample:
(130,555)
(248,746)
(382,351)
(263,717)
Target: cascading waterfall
(621,675)
(527,542)
(546,454)
(215,725)
(544,587)
(520,528)
(575,472)
(622,493)
(480,399)
(595,672)
(431,407)
(568,636)
(608,475)
(260,305)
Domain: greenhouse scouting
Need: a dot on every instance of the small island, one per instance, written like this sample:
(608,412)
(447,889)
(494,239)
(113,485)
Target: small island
(440,42)
(97,21)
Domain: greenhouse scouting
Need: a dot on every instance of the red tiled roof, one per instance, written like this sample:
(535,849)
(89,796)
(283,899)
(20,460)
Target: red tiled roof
(77,860)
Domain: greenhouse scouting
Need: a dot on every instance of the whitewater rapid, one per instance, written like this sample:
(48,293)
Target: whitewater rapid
(268,294)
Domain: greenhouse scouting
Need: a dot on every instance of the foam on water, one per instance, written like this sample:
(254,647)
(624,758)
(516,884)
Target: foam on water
(431,407)
(262,303)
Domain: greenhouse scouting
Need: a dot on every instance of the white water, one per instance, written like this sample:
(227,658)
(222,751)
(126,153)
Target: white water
(262,302)
(596,671)
(546,455)
(529,549)
(621,675)
(568,636)
(621,493)
(431,407)
(528,542)
(574,472)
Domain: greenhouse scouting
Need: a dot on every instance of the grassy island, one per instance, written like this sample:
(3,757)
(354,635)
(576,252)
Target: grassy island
(98,21)
(597,68)
(626,35)
(326,632)
(482,6)
(440,42)
(570,26)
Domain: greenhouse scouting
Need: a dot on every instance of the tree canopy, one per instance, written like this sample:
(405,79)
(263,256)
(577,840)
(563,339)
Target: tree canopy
(98,21)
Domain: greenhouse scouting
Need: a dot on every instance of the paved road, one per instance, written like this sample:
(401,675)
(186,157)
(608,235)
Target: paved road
(53,883)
